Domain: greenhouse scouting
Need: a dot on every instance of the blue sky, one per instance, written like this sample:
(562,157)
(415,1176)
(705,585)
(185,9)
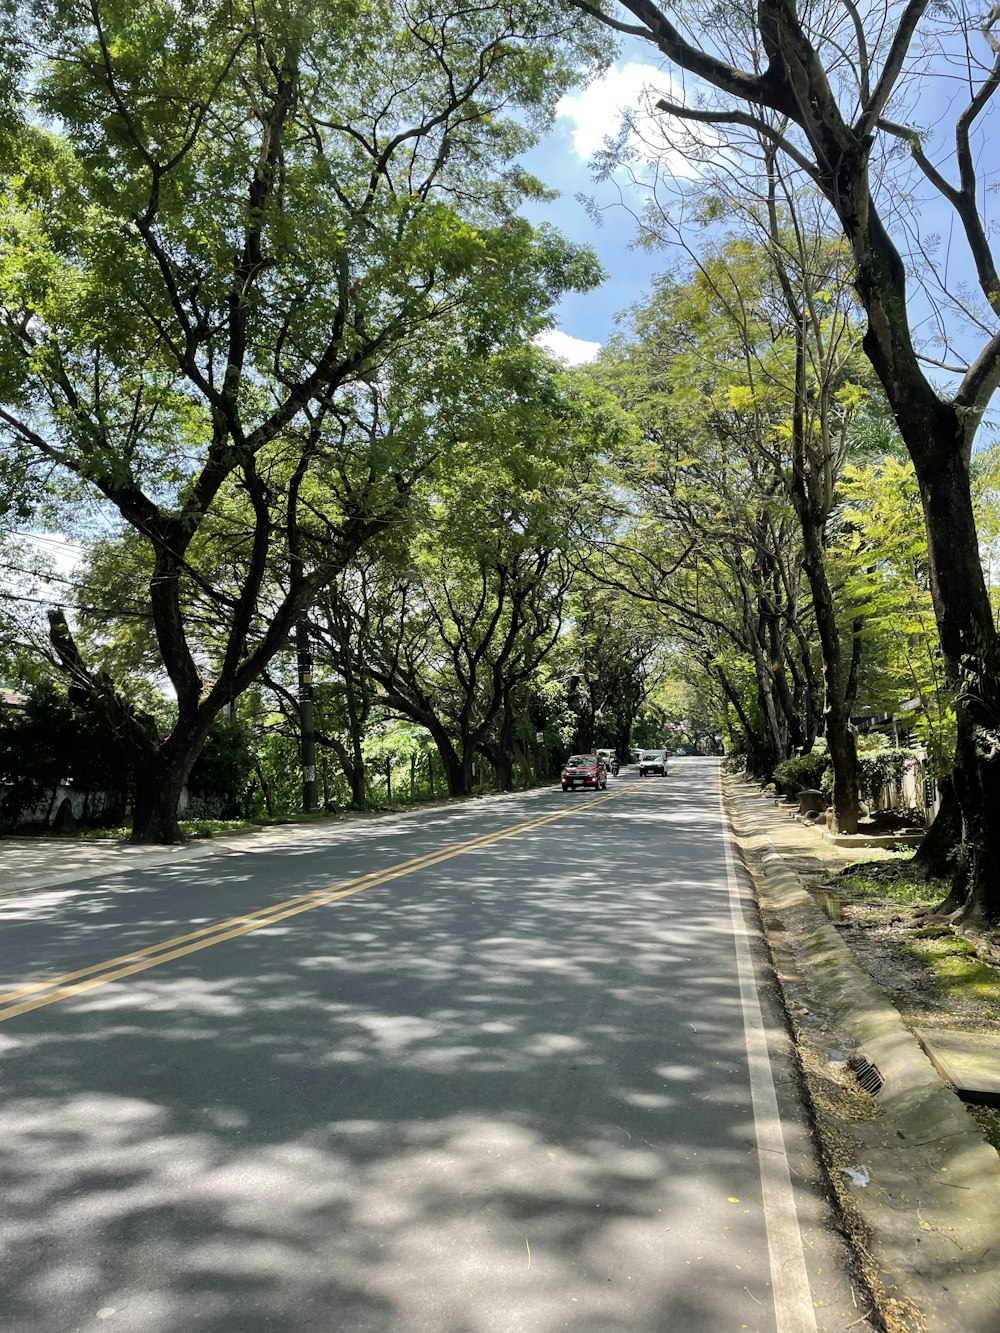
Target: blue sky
(587,117)
(562,160)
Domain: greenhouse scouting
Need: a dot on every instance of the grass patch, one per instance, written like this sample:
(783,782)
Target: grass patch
(956,967)
(888,882)
(204,828)
(191,828)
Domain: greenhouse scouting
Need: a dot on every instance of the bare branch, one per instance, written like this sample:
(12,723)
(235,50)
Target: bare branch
(744,118)
(891,69)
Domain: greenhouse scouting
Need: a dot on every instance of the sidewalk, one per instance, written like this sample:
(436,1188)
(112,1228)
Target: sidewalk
(41,862)
(32,863)
(919,1186)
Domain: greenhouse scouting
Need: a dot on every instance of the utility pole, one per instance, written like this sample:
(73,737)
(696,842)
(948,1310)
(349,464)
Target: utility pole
(307,730)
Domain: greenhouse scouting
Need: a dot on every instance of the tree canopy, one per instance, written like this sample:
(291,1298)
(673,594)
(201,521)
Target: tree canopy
(844,103)
(231,236)
(268,304)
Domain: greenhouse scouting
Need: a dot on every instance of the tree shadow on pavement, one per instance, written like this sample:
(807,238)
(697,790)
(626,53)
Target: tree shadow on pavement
(508,1093)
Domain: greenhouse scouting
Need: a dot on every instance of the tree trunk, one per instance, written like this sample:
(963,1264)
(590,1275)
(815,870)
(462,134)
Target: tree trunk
(759,764)
(792,715)
(458,773)
(502,760)
(774,744)
(158,790)
(457,765)
(937,854)
(812,513)
(358,779)
(938,436)
(501,753)
(265,787)
(975,892)
(842,745)
(969,650)
(160,777)
(357,714)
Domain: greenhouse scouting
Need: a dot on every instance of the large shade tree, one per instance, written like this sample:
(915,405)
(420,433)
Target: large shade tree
(850,101)
(615,652)
(709,536)
(225,224)
(469,597)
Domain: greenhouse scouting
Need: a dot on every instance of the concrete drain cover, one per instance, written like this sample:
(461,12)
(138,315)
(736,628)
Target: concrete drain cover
(969,1060)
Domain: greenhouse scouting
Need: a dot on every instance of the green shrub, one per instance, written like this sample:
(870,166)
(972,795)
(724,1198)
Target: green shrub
(219,780)
(191,828)
(803,772)
(48,741)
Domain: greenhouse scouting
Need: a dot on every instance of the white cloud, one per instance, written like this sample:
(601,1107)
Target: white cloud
(633,90)
(597,111)
(574,350)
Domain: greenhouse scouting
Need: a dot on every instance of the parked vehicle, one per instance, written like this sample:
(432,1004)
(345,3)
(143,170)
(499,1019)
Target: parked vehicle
(610,761)
(653,761)
(584,770)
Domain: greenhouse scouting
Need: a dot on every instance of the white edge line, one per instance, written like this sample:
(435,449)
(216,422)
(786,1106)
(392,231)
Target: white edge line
(793,1306)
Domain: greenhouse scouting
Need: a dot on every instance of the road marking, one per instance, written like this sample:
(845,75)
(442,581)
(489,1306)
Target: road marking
(67,984)
(793,1306)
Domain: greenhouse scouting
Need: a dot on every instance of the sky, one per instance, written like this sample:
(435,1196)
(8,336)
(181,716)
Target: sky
(562,161)
(584,119)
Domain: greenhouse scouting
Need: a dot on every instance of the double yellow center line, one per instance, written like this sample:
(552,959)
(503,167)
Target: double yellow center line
(37,995)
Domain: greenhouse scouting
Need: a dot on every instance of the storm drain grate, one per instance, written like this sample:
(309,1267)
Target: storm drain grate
(866,1074)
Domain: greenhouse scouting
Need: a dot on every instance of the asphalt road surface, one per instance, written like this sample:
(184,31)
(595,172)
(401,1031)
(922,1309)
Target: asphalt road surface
(505,1066)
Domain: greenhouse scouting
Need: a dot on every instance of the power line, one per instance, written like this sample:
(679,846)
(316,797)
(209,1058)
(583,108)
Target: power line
(84,610)
(42,575)
(45,539)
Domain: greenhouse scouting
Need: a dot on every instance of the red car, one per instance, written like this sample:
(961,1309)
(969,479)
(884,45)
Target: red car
(584,770)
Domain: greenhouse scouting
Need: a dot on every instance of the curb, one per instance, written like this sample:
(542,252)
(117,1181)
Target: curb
(861,841)
(931,1212)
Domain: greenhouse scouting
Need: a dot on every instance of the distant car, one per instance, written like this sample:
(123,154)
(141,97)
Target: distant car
(610,761)
(584,770)
(653,761)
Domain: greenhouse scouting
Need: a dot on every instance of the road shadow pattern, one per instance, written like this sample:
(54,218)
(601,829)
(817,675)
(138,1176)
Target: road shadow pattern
(508,1093)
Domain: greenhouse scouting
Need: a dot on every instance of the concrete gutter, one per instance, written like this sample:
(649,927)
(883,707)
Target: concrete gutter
(931,1212)
(862,840)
